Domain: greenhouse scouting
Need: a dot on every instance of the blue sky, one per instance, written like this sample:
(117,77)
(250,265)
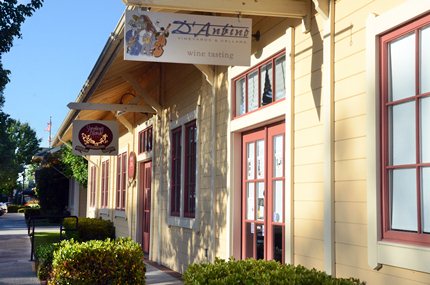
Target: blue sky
(60,45)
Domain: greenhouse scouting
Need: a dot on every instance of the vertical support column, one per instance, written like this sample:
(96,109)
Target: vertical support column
(289,146)
(328,107)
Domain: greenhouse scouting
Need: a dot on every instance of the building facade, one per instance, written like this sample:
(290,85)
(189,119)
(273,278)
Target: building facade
(315,154)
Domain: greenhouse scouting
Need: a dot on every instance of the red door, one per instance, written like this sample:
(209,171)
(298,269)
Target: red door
(145,190)
(263,184)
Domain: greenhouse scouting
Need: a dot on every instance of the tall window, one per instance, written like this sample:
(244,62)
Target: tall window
(121,182)
(105,184)
(183,164)
(145,140)
(175,182)
(93,174)
(190,169)
(405,137)
(260,86)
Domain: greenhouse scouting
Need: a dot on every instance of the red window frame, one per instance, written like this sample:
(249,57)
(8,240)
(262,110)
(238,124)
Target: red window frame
(145,140)
(175,180)
(190,169)
(105,184)
(245,75)
(250,242)
(388,233)
(121,185)
(93,175)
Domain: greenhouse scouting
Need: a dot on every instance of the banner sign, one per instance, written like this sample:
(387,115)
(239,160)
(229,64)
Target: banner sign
(95,138)
(187,38)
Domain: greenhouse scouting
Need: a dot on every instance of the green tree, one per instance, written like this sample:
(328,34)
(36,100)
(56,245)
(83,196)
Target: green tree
(11,19)
(76,166)
(22,145)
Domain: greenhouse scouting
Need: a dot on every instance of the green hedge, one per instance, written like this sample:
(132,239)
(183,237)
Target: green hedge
(12,208)
(98,262)
(44,255)
(251,271)
(89,229)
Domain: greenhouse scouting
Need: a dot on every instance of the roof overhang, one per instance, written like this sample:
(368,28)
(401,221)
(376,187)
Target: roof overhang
(269,8)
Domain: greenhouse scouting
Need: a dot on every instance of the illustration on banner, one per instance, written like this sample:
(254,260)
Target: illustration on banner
(145,37)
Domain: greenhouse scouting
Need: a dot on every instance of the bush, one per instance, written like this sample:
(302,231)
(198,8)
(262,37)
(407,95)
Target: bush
(31,212)
(12,208)
(251,271)
(98,262)
(44,255)
(89,229)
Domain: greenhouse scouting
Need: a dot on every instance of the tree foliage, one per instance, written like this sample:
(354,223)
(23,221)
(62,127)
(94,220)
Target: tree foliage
(18,144)
(76,167)
(15,151)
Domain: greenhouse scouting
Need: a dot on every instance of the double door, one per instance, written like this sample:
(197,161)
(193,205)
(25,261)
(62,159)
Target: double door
(263,193)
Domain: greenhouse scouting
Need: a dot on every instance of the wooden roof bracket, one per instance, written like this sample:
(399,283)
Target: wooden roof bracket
(141,93)
(123,121)
(322,7)
(208,71)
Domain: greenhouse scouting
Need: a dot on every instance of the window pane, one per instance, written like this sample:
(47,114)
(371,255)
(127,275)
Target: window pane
(402,137)
(251,160)
(260,159)
(425,131)
(260,242)
(280,77)
(253,91)
(278,238)
(260,201)
(426,199)
(403,199)
(278,201)
(278,156)
(240,96)
(402,68)
(425,60)
(250,200)
(266,77)
(249,240)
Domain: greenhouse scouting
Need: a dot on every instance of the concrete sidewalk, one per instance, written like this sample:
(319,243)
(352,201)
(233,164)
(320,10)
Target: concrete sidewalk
(16,267)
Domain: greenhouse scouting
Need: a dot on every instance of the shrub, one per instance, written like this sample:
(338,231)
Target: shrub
(31,212)
(89,229)
(12,208)
(98,262)
(251,271)
(44,255)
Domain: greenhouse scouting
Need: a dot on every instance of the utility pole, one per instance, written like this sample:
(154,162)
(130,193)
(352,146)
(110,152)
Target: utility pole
(48,129)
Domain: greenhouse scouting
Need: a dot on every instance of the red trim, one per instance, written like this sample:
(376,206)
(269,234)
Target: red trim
(93,175)
(121,175)
(190,169)
(419,237)
(245,76)
(105,184)
(265,134)
(175,181)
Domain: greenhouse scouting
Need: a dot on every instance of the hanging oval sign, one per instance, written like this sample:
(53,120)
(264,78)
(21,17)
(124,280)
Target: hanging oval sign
(95,136)
(132,166)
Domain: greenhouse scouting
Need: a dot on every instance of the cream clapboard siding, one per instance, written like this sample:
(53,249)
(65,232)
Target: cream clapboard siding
(350,147)
(308,240)
(183,86)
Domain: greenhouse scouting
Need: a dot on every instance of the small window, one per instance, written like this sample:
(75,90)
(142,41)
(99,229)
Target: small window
(145,140)
(93,174)
(121,184)
(105,184)
(260,86)
(190,169)
(175,182)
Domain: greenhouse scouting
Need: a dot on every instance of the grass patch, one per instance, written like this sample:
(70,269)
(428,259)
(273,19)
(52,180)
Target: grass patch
(45,238)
